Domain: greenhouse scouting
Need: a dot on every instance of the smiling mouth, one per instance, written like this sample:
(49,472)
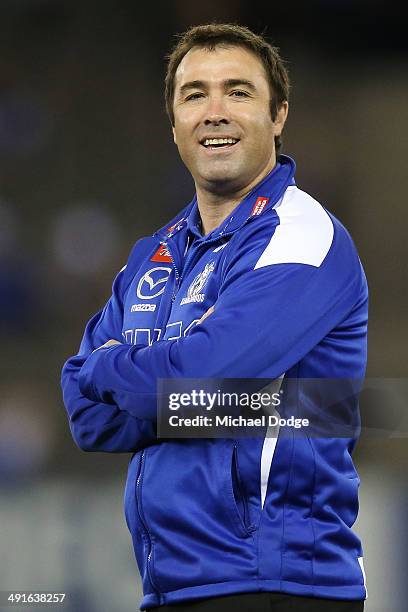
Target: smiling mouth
(219,143)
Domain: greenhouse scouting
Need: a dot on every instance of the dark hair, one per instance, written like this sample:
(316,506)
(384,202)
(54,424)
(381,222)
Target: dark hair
(229,35)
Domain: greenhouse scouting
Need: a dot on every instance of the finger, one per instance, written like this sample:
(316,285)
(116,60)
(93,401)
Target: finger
(206,314)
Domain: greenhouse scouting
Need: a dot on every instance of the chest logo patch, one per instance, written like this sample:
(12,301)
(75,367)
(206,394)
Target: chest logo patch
(195,290)
(162,254)
(152,283)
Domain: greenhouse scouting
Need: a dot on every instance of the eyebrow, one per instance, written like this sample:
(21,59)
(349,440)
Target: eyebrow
(227,84)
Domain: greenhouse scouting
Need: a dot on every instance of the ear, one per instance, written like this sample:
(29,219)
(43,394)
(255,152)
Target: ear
(281,118)
(174,135)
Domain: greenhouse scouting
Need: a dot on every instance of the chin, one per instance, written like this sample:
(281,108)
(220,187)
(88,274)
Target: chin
(222,175)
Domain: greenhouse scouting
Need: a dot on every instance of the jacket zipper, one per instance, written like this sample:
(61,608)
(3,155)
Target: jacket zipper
(143,522)
(179,276)
(245,519)
(176,283)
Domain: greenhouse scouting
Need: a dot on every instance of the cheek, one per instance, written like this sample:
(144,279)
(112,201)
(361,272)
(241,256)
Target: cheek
(262,131)
(185,121)
(255,122)
(185,145)
(184,136)
(182,139)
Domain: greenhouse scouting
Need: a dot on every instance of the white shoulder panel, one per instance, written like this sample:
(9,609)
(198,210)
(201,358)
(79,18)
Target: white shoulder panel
(304,235)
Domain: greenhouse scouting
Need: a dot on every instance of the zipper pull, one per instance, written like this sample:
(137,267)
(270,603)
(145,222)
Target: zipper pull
(176,284)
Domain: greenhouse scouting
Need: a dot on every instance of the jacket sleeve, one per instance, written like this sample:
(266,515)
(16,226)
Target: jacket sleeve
(268,316)
(99,425)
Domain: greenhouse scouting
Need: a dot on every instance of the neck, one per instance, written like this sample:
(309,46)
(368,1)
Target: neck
(215,207)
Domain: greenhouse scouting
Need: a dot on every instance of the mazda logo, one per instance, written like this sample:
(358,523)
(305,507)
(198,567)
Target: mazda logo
(152,283)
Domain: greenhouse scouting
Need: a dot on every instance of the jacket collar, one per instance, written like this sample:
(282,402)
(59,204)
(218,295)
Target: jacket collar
(264,196)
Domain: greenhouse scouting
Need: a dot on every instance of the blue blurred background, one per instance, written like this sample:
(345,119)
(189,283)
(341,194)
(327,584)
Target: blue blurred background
(88,165)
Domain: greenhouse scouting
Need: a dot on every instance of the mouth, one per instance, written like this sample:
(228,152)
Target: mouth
(219,144)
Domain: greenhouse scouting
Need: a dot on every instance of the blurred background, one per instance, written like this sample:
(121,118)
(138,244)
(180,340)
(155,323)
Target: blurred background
(87,166)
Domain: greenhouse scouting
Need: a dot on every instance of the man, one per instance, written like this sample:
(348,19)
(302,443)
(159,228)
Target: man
(253,279)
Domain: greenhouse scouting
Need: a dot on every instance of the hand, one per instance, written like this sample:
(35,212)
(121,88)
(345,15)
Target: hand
(108,343)
(206,314)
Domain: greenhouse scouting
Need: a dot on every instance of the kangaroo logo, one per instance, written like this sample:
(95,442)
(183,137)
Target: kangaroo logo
(195,290)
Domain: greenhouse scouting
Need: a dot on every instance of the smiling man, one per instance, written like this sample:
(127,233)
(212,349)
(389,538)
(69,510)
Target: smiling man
(223,125)
(252,279)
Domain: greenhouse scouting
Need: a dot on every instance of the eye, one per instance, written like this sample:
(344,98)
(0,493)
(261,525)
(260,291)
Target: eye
(239,93)
(194,96)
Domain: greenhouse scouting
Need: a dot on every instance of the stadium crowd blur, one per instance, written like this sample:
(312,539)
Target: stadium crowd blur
(87,166)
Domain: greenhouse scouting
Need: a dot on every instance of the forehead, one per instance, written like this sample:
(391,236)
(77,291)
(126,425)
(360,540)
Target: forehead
(219,64)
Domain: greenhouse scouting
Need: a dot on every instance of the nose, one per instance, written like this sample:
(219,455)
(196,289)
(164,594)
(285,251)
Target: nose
(216,112)
(216,120)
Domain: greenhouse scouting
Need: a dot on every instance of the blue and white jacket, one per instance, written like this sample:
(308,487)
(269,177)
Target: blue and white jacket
(212,517)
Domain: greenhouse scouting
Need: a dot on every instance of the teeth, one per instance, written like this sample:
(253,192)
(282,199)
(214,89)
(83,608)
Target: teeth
(219,141)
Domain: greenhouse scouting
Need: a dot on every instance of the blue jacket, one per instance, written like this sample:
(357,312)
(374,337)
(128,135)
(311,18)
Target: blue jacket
(212,517)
